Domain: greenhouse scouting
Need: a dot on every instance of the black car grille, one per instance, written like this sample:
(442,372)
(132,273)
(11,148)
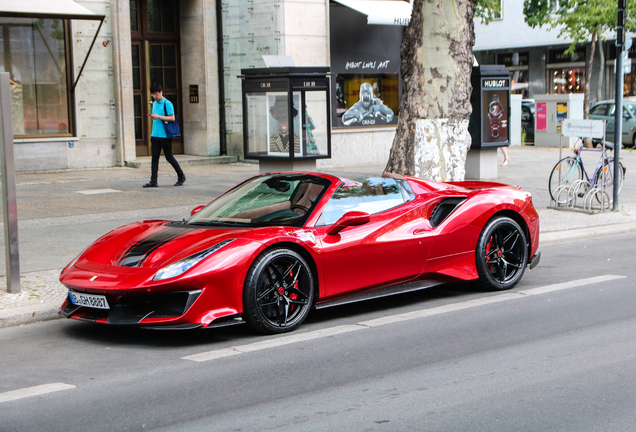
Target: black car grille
(134,309)
(131,310)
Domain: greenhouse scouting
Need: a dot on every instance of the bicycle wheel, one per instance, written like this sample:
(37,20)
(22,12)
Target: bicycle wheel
(605,177)
(565,172)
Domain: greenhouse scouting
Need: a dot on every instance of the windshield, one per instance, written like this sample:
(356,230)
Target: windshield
(277,199)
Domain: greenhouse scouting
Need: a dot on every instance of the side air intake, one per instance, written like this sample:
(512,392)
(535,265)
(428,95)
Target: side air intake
(444,209)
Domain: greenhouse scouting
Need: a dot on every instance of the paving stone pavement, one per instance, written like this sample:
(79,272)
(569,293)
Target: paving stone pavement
(64,193)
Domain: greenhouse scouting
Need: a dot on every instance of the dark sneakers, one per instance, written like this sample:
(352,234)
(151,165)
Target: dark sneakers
(179,182)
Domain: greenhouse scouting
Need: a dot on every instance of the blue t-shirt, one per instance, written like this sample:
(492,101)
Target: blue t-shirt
(158,130)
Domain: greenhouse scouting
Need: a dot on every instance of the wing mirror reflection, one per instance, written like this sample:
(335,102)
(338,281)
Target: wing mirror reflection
(352,218)
(196,210)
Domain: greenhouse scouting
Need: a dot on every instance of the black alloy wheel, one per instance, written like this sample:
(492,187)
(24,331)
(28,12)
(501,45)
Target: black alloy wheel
(278,291)
(502,254)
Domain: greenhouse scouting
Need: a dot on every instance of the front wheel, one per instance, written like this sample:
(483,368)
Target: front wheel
(502,254)
(565,172)
(278,291)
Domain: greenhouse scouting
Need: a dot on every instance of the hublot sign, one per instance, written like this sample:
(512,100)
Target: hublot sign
(495,83)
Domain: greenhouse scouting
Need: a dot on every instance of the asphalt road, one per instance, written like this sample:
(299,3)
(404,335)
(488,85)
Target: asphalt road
(556,353)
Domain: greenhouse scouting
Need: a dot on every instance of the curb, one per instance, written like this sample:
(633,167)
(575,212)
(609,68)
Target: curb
(29,315)
(554,237)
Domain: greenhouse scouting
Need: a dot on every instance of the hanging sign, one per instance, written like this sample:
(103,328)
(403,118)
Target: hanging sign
(582,128)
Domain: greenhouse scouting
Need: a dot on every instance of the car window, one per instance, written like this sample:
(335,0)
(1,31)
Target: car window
(284,199)
(631,108)
(611,110)
(599,109)
(370,195)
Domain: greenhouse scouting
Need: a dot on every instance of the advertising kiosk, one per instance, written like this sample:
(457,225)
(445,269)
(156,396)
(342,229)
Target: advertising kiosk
(489,122)
(286,117)
(550,112)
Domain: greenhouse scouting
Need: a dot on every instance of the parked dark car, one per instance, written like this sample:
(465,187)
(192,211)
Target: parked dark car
(606,110)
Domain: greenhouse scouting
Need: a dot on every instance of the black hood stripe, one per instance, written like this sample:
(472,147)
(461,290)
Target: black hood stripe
(138,253)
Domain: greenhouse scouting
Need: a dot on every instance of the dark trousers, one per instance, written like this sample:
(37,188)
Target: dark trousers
(165,144)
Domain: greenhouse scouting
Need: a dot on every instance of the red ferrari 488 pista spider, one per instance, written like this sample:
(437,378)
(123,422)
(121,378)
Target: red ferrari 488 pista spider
(278,244)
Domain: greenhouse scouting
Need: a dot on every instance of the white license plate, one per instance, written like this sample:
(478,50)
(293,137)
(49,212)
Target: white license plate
(89,300)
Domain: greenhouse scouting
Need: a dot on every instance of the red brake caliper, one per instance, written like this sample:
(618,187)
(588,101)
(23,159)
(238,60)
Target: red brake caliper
(488,246)
(293,296)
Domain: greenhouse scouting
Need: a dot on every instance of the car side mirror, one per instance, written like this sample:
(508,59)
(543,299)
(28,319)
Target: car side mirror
(352,218)
(196,210)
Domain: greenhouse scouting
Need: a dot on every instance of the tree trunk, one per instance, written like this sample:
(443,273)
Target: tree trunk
(599,89)
(432,137)
(589,64)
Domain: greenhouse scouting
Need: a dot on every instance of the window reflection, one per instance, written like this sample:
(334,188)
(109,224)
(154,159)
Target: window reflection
(33,51)
(567,80)
(370,195)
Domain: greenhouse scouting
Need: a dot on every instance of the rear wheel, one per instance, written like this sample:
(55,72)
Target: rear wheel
(502,254)
(565,172)
(278,291)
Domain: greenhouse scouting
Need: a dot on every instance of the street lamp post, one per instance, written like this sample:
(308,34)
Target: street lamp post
(618,131)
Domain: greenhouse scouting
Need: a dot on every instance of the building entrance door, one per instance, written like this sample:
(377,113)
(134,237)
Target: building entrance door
(154,27)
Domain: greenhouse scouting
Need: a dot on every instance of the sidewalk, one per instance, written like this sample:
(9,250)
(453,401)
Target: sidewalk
(60,213)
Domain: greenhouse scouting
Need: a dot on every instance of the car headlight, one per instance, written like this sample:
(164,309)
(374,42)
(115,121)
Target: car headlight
(181,266)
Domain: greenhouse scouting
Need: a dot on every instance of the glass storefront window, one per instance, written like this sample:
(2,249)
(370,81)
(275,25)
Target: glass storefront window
(520,83)
(34,53)
(567,80)
(367,100)
(315,124)
(161,17)
(629,85)
(269,133)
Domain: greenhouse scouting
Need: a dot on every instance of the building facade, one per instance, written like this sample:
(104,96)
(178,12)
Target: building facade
(537,60)
(195,49)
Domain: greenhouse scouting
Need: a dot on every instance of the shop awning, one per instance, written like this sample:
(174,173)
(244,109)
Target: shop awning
(51,9)
(383,12)
(62,9)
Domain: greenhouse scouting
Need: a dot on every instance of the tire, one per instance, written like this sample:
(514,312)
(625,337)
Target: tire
(565,172)
(278,292)
(501,255)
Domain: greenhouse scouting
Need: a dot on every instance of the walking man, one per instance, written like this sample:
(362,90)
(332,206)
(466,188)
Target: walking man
(162,111)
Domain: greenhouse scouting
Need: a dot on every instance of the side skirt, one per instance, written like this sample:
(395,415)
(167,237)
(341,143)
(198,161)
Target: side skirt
(382,292)
(534,260)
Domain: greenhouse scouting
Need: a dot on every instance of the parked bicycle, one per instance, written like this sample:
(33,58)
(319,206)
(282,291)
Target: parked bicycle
(571,169)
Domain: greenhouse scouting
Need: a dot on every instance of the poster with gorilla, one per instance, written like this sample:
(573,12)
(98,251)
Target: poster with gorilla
(369,110)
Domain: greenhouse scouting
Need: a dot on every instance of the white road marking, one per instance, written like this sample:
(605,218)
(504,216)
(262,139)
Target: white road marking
(34,391)
(301,337)
(97,191)
(272,343)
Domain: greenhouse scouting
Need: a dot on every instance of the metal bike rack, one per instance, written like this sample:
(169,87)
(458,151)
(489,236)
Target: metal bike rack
(581,195)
